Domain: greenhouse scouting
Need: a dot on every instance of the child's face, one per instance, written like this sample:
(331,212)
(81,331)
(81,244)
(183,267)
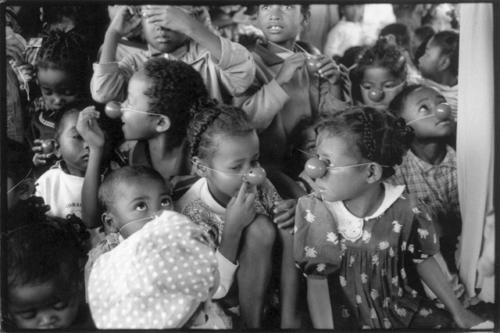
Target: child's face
(421,103)
(308,145)
(235,156)
(280,23)
(162,39)
(57,87)
(353,13)
(72,148)
(379,87)
(136,200)
(43,305)
(138,125)
(429,61)
(342,183)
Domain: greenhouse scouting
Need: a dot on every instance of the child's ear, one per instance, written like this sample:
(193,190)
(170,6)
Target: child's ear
(305,20)
(163,124)
(199,167)
(57,149)
(375,171)
(443,62)
(108,220)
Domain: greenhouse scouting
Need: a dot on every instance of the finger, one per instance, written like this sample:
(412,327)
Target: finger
(242,192)
(231,202)
(284,216)
(250,199)
(286,224)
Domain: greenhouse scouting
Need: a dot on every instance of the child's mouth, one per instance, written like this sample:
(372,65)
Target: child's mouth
(274,29)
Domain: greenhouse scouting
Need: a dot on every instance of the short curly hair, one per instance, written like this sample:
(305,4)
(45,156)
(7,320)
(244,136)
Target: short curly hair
(379,136)
(175,90)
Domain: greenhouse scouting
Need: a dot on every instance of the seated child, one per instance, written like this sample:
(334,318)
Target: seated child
(379,74)
(290,83)
(439,66)
(44,273)
(348,32)
(62,74)
(429,168)
(162,276)
(369,232)
(235,204)
(172,32)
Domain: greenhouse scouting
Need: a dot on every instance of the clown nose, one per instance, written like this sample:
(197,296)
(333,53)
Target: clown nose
(376,95)
(443,111)
(313,64)
(256,176)
(113,110)
(315,168)
(48,146)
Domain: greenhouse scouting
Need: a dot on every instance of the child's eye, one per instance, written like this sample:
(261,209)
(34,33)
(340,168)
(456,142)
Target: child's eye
(389,85)
(29,314)
(366,86)
(68,92)
(77,137)
(166,202)
(264,7)
(141,206)
(236,167)
(423,109)
(60,305)
(288,7)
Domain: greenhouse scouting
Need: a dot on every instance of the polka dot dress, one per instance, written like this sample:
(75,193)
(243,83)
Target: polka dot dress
(156,278)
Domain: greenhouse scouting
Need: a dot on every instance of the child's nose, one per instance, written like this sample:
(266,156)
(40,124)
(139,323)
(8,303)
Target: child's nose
(376,95)
(47,319)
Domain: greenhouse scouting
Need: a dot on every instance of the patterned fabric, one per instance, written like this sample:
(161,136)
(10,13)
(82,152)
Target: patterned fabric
(376,268)
(156,278)
(42,121)
(199,205)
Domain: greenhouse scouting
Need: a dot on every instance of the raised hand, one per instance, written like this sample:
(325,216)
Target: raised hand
(168,17)
(42,153)
(289,67)
(125,21)
(240,211)
(89,129)
(284,213)
(328,69)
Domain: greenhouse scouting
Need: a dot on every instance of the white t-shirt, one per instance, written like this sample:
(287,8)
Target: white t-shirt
(62,191)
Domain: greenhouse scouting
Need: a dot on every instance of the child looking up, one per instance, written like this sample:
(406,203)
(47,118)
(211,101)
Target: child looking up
(62,75)
(439,66)
(367,229)
(285,90)
(429,168)
(44,279)
(379,75)
(175,33)
(234,202)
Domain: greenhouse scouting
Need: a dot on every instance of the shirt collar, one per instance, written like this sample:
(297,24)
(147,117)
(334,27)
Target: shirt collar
(209,200)
(175,55)
(448,161)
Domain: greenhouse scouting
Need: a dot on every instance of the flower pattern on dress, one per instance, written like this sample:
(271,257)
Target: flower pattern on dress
(415,210)
(310,252)
(395,281)
(374,294)
(332,238)
(423,233)
(396,226)
(403,246)
(387,323)
(375,259)
(391,252)
(343,281)
(414,293)
(320,267)
(373,314)
(400,311)
(358,299)
(345,313)
(366,236)
(364,278)
(309,216)
(383,245)
(411,248)
(386,302)
(403,273)
(351,260)
(424,312)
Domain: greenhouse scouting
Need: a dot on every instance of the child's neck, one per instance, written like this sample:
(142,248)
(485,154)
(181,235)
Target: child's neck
(432,152)
(367,202)
(279,47)
(168,161)
(445,78)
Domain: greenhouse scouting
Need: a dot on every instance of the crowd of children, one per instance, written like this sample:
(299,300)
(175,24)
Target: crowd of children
(196,167)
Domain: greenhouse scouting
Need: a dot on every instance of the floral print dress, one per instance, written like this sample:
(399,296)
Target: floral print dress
(373,257)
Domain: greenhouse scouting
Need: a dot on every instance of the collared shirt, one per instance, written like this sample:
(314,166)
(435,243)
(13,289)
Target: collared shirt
(434,185)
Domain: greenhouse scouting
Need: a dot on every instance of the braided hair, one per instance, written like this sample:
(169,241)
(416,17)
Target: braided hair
(396,106)
(176,90)
(215,119)
(66,51)
(379,136)
(382,54)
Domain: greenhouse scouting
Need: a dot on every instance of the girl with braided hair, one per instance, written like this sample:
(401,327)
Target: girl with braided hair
(366,235)
(235,204)
(62,74)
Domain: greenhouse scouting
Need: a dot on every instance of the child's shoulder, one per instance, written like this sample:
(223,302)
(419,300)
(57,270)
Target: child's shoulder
(191,195)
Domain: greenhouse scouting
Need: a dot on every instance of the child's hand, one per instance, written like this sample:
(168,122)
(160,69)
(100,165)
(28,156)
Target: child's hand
(15,46)
(240,210)
(328,69)
(41,154)
(467,319)
(126,20)
(26,71)
(284,213)
(89,129)
(289,67)
(168,17)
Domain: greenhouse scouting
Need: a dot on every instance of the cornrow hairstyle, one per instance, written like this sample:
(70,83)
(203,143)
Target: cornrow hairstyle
(382,54)
(66,51)
(127,175)
(42,247)
(379,136)
(175,90)
(397,104)
(448,41)
(215,119)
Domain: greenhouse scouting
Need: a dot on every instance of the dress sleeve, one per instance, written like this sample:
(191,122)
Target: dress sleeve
(317,250)
(423,241)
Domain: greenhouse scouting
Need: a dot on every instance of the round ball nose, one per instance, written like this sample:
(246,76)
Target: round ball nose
(315,168)
(443,111)
(48,146)
(376,95)
(113,110)
(313,64)
(256,176)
